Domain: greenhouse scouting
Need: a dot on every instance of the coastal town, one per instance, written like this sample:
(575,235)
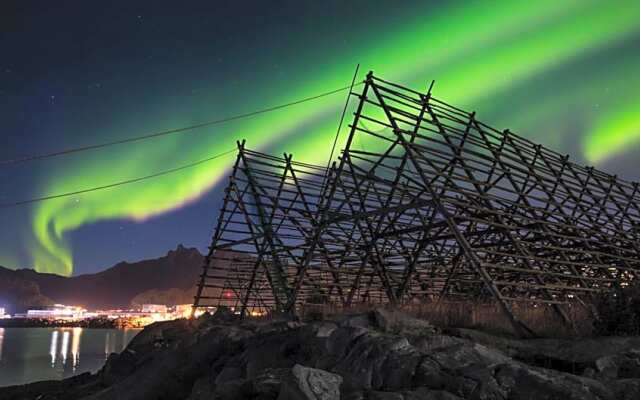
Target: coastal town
(70,316)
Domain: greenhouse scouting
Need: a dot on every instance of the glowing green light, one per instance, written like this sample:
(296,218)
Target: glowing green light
(475,51)
(614,133)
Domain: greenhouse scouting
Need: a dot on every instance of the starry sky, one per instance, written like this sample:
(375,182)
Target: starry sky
(75,73)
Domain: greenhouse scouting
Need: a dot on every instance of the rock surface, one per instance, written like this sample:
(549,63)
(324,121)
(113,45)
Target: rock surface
(380,355)
(310,384)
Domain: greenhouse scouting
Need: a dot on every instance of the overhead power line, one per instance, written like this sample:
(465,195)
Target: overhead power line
(170,131)
(115,184)
(344,112)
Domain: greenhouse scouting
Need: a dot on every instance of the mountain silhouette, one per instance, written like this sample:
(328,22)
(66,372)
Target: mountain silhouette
(115,287)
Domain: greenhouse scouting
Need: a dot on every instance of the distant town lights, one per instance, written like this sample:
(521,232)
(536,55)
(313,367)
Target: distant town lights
(57,311)
(139,317)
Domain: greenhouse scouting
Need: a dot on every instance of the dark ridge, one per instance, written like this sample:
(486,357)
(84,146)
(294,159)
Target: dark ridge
(114,287)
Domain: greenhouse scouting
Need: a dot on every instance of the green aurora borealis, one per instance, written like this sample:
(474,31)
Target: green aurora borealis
(542,69)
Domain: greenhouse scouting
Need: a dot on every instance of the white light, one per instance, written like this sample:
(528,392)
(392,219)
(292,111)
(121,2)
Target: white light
(65,346)
(75,346)
(106,346)
(1,341)
(53,347)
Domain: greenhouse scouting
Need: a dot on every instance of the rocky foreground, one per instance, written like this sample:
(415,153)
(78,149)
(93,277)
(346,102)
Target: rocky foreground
(376,356)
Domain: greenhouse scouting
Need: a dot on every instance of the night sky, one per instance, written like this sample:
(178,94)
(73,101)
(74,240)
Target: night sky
(73,73)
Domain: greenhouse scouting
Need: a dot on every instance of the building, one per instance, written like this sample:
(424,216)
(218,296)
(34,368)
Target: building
(2,313)
(182,310)
(57,311)
(154,308)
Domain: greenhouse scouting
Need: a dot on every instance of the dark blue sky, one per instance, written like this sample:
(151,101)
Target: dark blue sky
(74,73)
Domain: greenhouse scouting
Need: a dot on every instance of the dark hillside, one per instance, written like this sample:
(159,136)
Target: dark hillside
(112,288)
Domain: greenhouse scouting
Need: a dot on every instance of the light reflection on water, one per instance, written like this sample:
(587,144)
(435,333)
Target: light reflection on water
(1,341)
(33,354)
(76,334)
(110,344)
(53,348)
(65,346)
(75,346)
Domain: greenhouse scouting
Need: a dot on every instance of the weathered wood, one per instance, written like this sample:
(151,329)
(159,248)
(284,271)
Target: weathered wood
(438,205)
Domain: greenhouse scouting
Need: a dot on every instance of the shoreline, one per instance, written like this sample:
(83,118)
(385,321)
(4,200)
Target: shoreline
(380,354)
(92,323)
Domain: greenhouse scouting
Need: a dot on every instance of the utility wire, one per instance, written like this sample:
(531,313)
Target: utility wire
(111,185)
(344,112)
(171,131)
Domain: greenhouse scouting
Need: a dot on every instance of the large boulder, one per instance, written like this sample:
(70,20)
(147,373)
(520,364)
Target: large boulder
(169,361)
(340,341)
(427,394)
(268,384)
(620,366)
(394,321)
(575,356)
(471,370)
(310,384)
(118,367)
(324,329)
(378,395)
(357,320)
(202,389)
(627,389)
(521,382)
(368,360)
(236,389)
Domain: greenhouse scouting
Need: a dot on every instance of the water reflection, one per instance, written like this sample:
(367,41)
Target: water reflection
(53,347)
(1,341)
(108,345)
(34,354)
(65,346)
(74,335)
(75,346)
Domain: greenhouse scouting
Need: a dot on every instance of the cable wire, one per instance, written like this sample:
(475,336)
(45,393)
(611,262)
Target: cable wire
(170,131)
(344,112)
(115,184)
